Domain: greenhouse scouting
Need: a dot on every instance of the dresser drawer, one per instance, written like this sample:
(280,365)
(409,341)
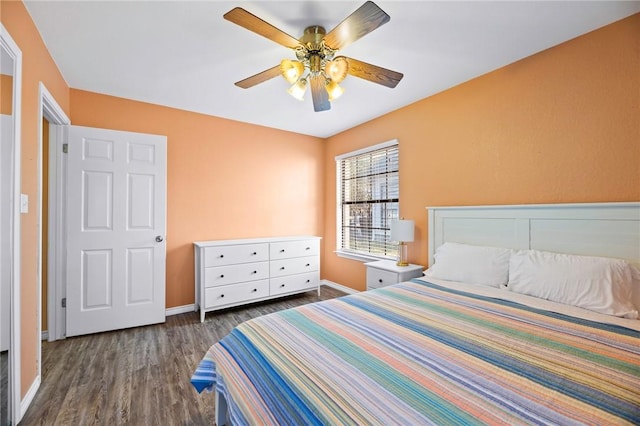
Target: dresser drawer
(229,255)
(285,249)
(377,278)
(297,265)
(236,293)
(291,283)
(223,275)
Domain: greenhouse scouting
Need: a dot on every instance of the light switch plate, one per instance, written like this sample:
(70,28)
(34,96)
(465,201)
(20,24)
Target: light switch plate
(24,203)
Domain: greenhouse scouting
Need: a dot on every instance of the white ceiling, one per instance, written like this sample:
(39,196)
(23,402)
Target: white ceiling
(185,55)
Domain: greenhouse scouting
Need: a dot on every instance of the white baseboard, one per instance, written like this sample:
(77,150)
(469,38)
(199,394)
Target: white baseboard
(184,309)
(44,335)
(337,286)
(28,398)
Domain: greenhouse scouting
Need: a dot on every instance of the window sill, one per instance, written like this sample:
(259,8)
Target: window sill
(360,257)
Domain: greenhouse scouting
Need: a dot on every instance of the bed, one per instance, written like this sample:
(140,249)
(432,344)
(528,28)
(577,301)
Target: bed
(439,351)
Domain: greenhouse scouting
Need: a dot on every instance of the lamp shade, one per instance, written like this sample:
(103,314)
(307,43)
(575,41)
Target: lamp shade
(291,70)
(298,89)
(334,90)
(401,230)
(337,69)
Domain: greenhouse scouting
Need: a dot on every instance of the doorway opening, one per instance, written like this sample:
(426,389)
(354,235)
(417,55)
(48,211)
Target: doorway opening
(51,171)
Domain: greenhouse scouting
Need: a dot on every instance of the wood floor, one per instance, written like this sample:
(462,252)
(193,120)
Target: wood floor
(139,376)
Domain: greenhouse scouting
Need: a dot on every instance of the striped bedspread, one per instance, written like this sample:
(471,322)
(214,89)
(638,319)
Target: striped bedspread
(416,353)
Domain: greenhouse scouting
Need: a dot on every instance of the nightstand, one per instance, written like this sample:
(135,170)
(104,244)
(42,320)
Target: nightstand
(385,272)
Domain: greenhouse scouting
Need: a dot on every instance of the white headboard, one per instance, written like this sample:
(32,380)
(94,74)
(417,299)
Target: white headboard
(592,229)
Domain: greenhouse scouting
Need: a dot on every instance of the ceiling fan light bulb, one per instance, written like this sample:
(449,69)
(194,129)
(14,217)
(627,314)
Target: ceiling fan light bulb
(334,90)
(337,69)
(291,70)
(298,89)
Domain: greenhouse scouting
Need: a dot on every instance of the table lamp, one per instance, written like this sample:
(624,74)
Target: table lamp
(402,233)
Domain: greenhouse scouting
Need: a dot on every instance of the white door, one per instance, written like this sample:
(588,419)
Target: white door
(6,137)
(115,219)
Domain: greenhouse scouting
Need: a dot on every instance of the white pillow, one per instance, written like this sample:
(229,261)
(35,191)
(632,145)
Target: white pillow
(471,264)
(596,283)
(635,287)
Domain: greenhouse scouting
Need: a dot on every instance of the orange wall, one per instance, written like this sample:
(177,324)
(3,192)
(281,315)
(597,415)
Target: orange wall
(225,179)
(37,66)
(559,126)
(6,94)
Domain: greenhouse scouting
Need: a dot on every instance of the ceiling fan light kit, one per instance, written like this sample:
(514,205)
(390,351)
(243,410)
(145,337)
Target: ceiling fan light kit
(298,89)
(316,63)
(337,69)
(334,90)
(291,70)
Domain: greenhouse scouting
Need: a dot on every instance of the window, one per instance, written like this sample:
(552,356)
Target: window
(368,197)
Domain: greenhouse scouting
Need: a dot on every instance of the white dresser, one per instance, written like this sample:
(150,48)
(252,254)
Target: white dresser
(234,272)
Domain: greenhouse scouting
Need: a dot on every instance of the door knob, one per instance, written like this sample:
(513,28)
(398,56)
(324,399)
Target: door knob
(159,239)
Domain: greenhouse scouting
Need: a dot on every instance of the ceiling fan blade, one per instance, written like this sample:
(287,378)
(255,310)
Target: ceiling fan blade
(374,73)
(360,23)
(259,78)
(251,22)
(319,93)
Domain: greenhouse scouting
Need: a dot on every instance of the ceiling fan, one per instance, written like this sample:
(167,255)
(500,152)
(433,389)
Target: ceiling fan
(316,62)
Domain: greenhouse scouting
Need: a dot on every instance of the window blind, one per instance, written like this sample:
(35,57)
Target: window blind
(369,199)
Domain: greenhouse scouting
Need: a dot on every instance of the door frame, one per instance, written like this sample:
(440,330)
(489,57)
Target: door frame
(15,400)
(50,110)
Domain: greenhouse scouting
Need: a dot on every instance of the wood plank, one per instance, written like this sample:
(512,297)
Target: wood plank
(140,375)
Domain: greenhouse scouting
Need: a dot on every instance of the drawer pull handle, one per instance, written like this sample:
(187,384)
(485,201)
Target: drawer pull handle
(254,253)
(254,272)
(281,285)
(221,296)
(221,256)
(380,280)
(282,251)
(307,264)
(308,281)
(254,290)
(282,268)
(308,248)
(222,276)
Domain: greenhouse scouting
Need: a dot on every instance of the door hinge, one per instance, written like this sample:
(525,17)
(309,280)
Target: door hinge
(65,148)
(64,302)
